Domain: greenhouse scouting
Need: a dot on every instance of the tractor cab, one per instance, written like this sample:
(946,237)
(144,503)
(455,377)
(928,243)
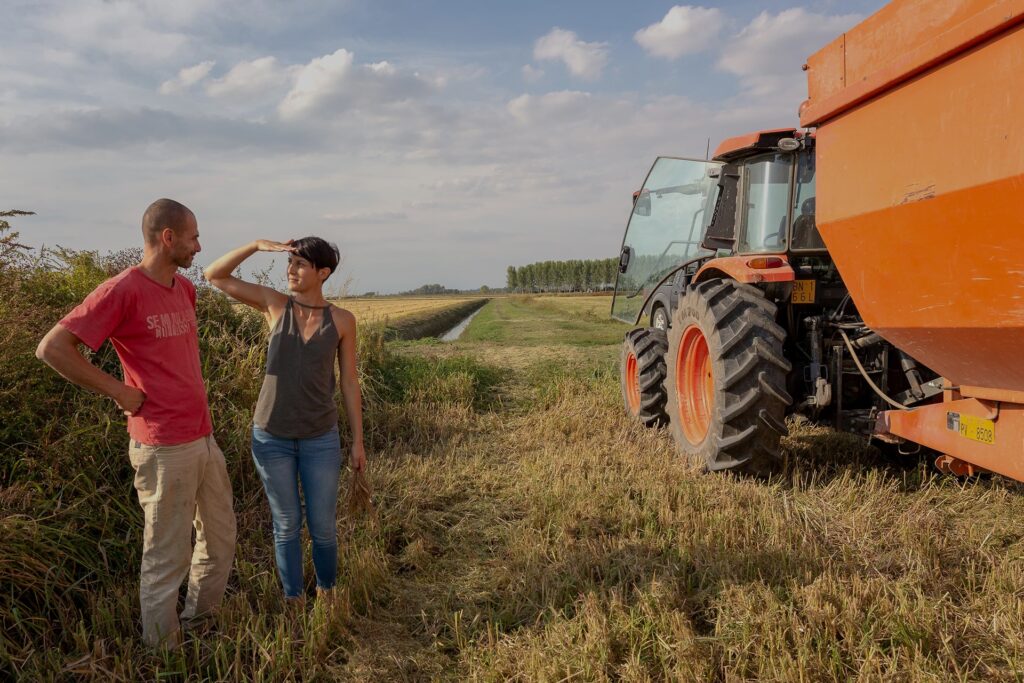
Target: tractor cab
(767,192)
(755,197)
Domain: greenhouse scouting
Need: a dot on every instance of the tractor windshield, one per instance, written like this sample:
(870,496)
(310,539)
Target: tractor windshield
(670,215)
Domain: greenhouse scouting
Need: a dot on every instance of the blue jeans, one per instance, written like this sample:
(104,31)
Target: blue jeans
(315,461)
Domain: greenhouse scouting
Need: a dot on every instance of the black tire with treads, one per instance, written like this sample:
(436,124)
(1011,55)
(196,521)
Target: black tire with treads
(648,346)
(746,418)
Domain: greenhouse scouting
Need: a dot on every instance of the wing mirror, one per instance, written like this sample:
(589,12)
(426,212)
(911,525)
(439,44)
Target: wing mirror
(642,203)
(624,258)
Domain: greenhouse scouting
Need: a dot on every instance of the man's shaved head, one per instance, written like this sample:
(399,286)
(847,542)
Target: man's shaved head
(163,214)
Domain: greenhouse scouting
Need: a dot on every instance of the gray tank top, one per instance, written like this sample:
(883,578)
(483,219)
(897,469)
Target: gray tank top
(297,397)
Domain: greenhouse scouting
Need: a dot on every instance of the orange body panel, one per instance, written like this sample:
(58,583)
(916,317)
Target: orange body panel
(826,71)
(736,268)
(901,40)
(930,427)
(989,394)
(926,225)
(743,141)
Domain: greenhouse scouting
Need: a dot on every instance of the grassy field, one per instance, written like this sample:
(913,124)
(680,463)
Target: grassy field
(528,531)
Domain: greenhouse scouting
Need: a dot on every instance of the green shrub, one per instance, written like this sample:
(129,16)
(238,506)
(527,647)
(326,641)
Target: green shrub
(68,515)
(67,511)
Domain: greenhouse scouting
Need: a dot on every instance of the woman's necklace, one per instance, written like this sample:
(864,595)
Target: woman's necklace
(304,316)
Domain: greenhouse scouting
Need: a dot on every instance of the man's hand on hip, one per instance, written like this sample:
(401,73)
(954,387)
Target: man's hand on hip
(130,400)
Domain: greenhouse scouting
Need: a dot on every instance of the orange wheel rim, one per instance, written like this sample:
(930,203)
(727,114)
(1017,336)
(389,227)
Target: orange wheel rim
(695,384)
(633,383)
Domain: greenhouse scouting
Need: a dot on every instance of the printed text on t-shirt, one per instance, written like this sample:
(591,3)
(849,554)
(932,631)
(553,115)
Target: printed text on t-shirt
(169,324)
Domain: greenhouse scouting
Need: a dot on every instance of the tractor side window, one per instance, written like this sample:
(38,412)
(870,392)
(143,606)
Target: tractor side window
(805,230)
(766,194)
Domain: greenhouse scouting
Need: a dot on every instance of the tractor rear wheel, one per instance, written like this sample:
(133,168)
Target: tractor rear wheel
(726,377)
(642,375)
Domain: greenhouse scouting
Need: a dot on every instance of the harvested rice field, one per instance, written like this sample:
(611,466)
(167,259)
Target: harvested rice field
(391,309)
(526,530)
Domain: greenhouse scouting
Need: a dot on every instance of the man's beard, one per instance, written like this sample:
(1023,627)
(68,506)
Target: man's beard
(184,261)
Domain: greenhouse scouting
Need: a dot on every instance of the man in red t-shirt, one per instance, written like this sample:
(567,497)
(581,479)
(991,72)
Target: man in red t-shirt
(148,313)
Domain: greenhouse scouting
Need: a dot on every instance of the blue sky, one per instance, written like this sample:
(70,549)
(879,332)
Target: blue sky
(432,141)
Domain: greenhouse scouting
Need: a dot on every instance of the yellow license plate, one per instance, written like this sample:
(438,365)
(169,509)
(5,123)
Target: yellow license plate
(803,292)
(973,428)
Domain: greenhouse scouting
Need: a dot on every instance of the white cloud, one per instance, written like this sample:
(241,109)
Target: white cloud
(141,34)
(61,58)
(768,53)
(471,186)
(516,174)
(423,204)
(186,78)
(584,60)
(249,78)
(366,218)
(334,83)
(532,74)
(564,105)
(317,80)
(684,30)
(123,29)
(124,128)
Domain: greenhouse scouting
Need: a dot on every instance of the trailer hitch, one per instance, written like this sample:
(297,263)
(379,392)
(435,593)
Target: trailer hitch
(947,464)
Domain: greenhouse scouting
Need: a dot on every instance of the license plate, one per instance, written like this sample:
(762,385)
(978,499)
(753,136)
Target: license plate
(973,428)
(803,292)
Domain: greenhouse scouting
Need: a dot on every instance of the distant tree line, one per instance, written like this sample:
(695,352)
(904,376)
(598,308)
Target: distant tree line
(430,289)
(563,276)
(578,275)
(433,289)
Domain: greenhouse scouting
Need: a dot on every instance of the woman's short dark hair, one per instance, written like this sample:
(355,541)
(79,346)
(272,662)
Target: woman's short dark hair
(318,251)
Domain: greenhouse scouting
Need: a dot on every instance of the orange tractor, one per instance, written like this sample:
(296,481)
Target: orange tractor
(867,270)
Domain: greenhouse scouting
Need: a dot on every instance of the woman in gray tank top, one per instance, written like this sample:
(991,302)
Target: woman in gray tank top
(295,427)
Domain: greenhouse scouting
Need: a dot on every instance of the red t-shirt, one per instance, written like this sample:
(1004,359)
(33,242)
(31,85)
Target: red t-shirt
(153,329)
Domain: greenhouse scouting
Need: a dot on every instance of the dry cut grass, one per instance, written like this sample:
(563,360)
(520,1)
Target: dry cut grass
(528,531)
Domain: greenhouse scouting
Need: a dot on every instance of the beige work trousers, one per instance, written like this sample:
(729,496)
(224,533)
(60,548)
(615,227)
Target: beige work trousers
(180,487)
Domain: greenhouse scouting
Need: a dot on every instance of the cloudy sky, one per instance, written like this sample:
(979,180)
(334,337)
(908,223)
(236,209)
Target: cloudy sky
(433,141)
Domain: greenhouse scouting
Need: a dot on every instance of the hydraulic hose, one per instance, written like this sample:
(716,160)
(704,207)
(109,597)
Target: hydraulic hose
(864,372)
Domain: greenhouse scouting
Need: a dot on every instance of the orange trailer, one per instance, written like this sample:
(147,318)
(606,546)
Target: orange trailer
(920,153)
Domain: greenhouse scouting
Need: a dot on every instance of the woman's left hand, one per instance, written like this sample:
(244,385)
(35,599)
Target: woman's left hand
(271,245)
(358,458)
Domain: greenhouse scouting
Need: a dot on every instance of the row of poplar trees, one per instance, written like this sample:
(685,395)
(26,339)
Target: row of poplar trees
(563,276)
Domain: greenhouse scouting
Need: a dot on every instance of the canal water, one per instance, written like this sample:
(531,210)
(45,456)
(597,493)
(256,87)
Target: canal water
(455,332)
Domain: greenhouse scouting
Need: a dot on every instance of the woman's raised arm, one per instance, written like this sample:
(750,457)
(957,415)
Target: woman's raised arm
(219,274)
